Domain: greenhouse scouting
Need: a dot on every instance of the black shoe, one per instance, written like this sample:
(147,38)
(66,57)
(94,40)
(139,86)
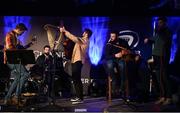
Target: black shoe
(51,103)
(126,100)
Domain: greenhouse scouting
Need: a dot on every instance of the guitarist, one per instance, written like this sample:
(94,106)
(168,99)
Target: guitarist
(11,43)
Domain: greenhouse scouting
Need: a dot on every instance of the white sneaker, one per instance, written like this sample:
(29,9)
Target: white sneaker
(75,99)
(77,102)
(167,101)
(161,100)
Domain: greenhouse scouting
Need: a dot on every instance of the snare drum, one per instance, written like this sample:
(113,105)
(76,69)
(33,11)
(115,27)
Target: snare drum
(30,88)
(36,72)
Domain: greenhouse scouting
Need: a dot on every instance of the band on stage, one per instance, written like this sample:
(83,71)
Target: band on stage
(129,77)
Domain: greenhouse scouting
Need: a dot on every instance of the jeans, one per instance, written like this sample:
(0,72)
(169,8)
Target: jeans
(110,66)
(20,74)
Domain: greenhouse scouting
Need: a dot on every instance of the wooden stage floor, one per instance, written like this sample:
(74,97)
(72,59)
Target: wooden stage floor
(90,104)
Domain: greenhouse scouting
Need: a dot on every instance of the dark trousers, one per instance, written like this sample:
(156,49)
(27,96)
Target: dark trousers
(162,74)
(76,77)
(49,80)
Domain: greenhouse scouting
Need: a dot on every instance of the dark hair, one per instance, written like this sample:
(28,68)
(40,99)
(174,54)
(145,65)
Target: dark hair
(88,31)
(164,19)
(47,46)
(21,26)
(115,32)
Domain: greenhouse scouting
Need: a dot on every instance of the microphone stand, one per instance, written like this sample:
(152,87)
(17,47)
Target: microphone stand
(18,96)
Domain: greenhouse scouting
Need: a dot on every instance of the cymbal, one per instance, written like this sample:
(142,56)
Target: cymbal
(29,94)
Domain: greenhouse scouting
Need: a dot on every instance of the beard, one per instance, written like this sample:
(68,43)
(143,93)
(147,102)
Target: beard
(47,54)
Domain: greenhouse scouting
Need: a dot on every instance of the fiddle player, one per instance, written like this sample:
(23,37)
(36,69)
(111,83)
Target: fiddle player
(114,57)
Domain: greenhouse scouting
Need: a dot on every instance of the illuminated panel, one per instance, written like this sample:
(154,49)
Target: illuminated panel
(173,23)
(99,27)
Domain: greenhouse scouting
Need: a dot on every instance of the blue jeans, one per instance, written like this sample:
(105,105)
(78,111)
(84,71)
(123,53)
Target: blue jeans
(20,74)
(120,64)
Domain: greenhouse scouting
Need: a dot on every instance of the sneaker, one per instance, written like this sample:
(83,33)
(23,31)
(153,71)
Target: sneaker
(14,100)
(75,99)
(167,101)
(6,102)
(51,101)
(77,102)
(161,100)
(127,101)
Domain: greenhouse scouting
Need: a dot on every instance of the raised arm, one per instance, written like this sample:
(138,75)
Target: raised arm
(73,37)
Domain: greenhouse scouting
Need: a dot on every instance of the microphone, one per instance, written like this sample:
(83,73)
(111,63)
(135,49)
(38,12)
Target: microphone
(35,37)
(109,40)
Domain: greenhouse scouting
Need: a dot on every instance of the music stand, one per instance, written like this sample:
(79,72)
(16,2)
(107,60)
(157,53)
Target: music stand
(21,57)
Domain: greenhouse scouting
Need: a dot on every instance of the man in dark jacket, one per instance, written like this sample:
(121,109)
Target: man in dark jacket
(114,57)
(161,55)
(45,63)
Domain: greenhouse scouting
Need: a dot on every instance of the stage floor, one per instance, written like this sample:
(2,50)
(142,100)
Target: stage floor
(90,104)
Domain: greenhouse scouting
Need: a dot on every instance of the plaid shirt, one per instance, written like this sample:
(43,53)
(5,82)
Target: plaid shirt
(11,42)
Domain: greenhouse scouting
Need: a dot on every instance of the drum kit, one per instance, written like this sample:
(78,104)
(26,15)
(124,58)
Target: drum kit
(35,84)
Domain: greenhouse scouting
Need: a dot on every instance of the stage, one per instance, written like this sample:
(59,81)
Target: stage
(137,78)
(91,104)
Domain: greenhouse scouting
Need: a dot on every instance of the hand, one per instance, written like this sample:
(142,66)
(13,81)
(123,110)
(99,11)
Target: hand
(62,29)
(146,40)
(125,52)
(56,42)
(32,42)
(118,55)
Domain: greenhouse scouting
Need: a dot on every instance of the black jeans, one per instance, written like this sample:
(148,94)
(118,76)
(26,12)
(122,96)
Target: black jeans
(162,74)
(76,77)
(49,80)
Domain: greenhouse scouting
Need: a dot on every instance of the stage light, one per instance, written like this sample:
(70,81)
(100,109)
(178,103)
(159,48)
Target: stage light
(99,27)
(154,24)
(177,4)
(10,23)
(173,23)
(159,4)
(82,2)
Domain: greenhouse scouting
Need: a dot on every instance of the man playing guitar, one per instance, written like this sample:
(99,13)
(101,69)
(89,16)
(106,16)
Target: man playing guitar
(18,71)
